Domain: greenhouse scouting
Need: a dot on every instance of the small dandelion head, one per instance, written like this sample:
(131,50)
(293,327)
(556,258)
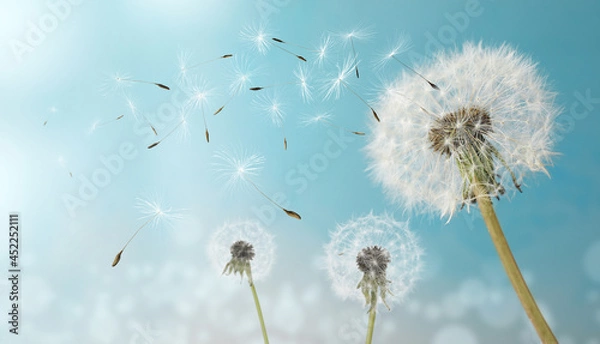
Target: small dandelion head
(242,250)
(490,124)
(373,256)
(235,166)
(237,245)
(373,260)
(257,36)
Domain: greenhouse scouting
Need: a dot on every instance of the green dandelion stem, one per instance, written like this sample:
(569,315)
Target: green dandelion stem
(510,265)
(372,314)
(258,309)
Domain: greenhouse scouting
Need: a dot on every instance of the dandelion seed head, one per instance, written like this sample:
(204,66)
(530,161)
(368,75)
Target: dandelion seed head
(373,252)
(235,166)
(242,250)
(493,106)
(242,242)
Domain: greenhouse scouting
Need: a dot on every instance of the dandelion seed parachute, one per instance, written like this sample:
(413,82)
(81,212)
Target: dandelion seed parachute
(416,171)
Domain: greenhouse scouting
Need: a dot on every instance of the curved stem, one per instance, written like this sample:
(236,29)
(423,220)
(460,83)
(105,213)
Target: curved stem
(511,267)
(258,309)
(372,314)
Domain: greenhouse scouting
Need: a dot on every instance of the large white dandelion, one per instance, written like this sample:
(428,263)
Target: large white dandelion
(493,116)
(487,123)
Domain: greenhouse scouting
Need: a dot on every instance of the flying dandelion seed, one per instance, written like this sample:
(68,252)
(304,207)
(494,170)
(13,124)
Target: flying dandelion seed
(97,124)
(301,75)
(373,258)
(490,125)
(257,36)
(63,163)
(274,109)
(240,77)
(325,118)
(334,86)
(198,99)
(182,128)
(52,110)
(323,50)
(360,33)
(163,86)
(120,81)
(278,40)
(115,83)
(155,213)
(244,248)
(402,45)
(237,170)
(185,66)
(261,40)
(139,116)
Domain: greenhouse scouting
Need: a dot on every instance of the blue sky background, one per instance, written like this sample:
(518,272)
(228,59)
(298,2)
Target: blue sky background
(165,289)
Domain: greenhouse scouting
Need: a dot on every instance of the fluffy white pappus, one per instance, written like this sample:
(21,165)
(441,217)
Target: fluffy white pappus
(499,80)
(384,231)
(251,232)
